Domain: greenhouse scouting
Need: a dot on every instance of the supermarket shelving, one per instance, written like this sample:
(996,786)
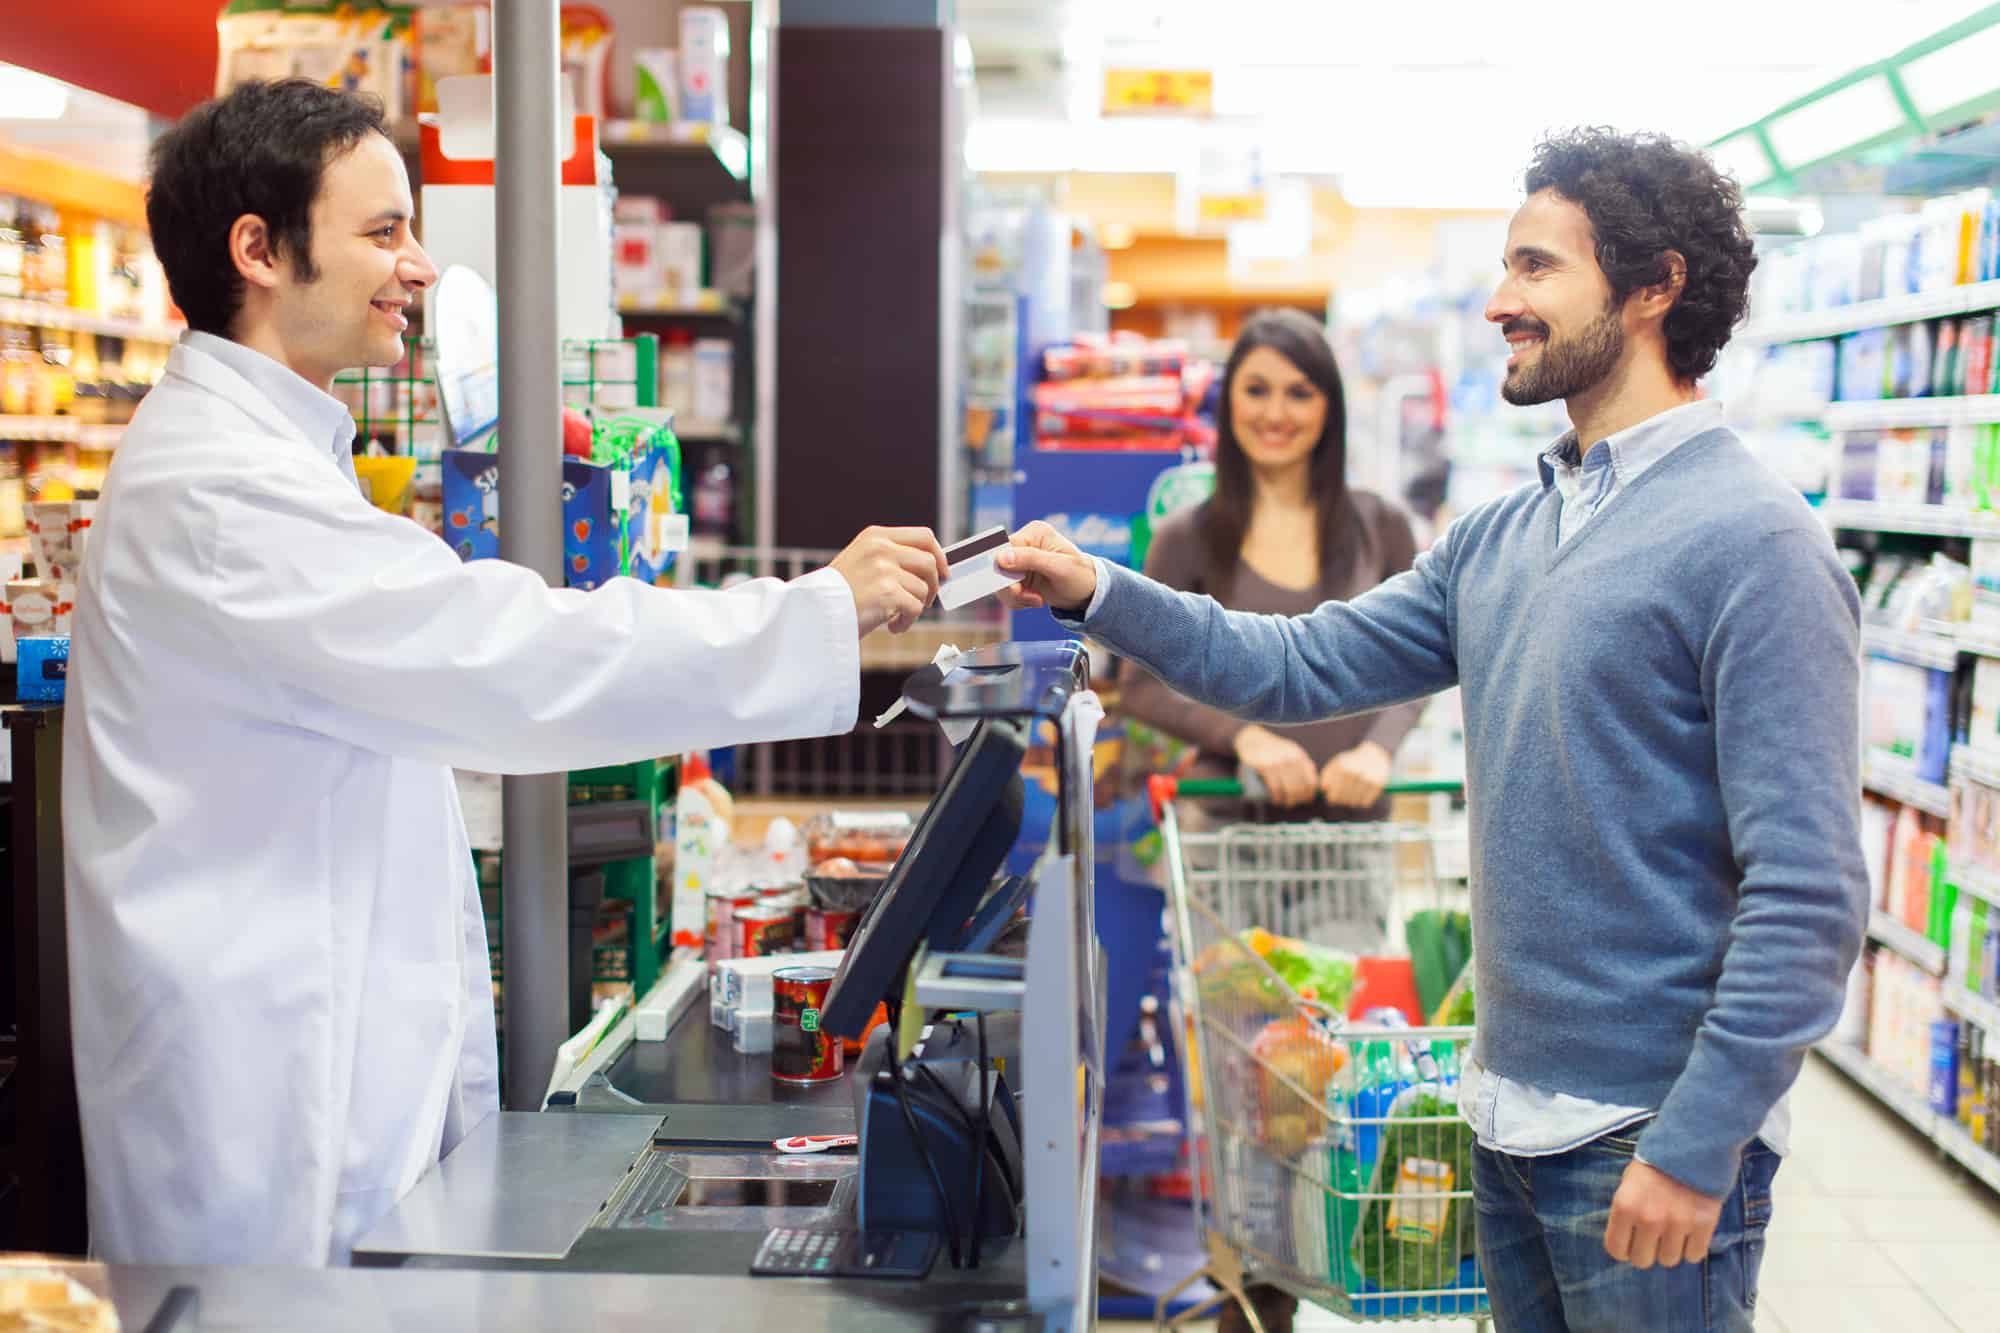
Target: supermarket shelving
(1973,1008)
(1970,298)
(1950,1138)
(708,432)
(41,315)
(1886,930)
(1886,775)
(59,430)
(1983,640)
(707,304)
(1915,519)
(1917,648)
(1912,413)
(1981,884)
(1979,765)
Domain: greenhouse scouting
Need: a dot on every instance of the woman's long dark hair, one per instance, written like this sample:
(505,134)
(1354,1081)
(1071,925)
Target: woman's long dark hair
(1225,518)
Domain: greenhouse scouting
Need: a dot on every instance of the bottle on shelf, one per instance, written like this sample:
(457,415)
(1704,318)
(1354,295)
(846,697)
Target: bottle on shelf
(714,499)
(677,374)
(13,250)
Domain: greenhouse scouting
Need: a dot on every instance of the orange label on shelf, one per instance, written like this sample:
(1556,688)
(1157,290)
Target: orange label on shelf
(1157,91)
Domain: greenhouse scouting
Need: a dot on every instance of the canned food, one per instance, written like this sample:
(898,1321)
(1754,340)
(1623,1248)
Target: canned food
(723,906)
(764,929)
(800,1051)
(829,930)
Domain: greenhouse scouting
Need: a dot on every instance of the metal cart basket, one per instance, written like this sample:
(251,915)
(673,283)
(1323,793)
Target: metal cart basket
(1330,1157)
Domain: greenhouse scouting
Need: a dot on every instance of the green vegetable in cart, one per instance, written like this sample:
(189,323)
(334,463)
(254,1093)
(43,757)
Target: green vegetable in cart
(1415,1236)
(1440,946)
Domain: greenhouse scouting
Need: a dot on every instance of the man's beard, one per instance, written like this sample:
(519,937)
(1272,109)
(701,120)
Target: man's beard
(1568,366)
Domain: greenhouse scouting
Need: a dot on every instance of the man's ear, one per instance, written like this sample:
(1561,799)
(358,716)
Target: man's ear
(251,250)
(1656,299)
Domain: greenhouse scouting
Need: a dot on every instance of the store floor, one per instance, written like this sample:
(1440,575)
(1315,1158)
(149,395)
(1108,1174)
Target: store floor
(1870,1231)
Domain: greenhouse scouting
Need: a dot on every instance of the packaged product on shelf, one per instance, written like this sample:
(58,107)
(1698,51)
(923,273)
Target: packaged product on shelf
(38,608)
(1944,1067)
(451,40)
(363,51)
(656,73)
(704,65)
(1907,711)
(13,249)
(677,374)
(714,381)
(1907,893)
(586,58)
(638,271)
(732,249)
(680,262)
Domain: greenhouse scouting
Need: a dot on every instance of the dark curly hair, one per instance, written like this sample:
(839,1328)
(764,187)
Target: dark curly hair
(1646,195)
(261,149)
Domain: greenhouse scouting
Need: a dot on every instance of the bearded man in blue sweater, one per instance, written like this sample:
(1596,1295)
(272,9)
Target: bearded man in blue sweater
(1658,653)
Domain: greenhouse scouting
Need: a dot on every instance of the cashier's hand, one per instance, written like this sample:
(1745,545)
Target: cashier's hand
(1657,1220)
(894,574)
(1058,575)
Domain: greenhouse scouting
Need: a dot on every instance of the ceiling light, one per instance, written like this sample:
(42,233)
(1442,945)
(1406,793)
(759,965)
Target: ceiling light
(1116,235)
(1858,114)
(26,95)
(1951,76)
(1120,296)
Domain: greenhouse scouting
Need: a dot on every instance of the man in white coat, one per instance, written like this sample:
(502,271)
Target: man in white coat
(278,962)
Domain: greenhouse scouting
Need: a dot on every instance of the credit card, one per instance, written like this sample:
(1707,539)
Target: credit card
(973,573)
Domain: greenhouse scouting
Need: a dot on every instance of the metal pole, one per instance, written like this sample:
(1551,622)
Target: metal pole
(534,832)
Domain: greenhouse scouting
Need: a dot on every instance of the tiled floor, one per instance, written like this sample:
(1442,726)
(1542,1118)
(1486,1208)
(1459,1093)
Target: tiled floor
(1871,1232)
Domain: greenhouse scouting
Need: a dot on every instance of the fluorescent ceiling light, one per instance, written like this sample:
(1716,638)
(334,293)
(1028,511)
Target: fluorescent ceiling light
(1953,75)
(1743,157)
(1854,115)
(26,95)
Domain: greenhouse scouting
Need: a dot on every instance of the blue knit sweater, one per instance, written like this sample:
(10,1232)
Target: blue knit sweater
(1661,723)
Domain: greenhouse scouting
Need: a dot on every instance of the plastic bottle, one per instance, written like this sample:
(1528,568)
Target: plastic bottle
(714,505)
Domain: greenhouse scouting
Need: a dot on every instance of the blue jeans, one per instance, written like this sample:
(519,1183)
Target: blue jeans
(1541,1246)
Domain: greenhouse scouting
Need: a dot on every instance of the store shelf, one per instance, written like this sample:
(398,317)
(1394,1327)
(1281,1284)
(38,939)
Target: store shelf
(1972,1008)
(1891,776)
(708,304)
(728,146)
(1979,765)
(1983,640)
(1918,649)
(1981,884)
(1886,930)
(1913,413)
(41,315)
(1948,1135)
(708,432)
(1919,520)
(59,430)
(1962,300)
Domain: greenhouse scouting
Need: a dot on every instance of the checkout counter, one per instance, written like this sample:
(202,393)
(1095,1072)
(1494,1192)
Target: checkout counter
(654,1161)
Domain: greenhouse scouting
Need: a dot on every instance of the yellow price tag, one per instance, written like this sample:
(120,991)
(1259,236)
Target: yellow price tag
(1189,92)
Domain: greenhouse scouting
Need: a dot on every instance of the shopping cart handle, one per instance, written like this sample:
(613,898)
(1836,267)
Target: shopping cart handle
(1162,790)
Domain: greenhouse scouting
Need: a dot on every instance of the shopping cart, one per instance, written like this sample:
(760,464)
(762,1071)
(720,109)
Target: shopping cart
(1331,1159)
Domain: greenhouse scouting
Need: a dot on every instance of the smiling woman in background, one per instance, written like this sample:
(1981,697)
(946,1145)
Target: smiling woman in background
(1282,534)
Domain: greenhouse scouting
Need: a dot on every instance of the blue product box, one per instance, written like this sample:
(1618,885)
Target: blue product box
(472,503)
(43,669)
(657,526)
(1944,1066)
(593,539)
(593,542)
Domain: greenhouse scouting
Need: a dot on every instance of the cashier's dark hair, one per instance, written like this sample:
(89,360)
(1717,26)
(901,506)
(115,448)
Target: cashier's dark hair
(262,149)
(1224,519)
(1645,195)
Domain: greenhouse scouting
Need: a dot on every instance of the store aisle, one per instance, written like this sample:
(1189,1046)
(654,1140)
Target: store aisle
(1870,1231)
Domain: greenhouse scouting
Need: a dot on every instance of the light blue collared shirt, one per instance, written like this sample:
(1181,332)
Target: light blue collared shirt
(1615,462)
(322,418)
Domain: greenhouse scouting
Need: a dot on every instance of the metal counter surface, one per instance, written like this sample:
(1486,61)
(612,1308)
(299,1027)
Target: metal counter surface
(359,1300)
(705,1091)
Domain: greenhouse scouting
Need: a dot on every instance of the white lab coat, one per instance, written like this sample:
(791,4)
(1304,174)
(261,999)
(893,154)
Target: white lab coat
(278,967)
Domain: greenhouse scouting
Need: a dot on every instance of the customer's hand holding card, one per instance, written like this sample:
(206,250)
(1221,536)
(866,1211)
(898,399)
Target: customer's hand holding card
(973,573)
